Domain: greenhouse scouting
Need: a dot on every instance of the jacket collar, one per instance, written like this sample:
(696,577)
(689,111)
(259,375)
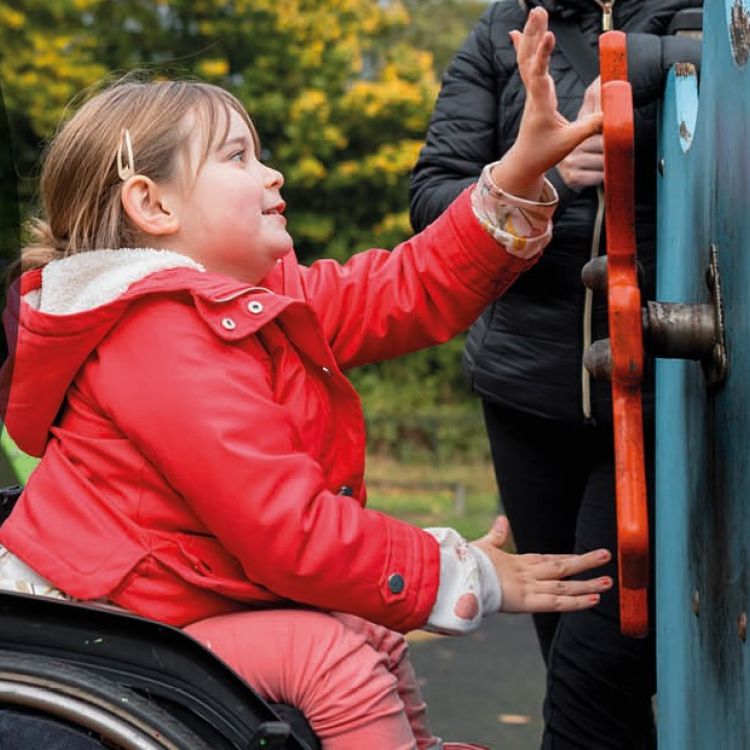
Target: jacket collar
(570,8)
(591,10)
(649,16)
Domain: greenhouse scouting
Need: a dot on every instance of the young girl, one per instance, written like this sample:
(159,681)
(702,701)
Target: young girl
(202,452)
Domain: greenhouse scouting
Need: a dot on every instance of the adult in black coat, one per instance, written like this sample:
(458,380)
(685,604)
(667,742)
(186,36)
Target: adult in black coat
(549,426)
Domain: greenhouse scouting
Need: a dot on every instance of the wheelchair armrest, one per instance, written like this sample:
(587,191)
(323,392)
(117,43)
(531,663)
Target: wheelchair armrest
(8,498)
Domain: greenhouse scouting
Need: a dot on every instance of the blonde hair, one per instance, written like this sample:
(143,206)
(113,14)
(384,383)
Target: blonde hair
(80,186)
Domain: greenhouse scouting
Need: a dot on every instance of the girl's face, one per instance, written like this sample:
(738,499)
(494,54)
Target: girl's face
(231,217)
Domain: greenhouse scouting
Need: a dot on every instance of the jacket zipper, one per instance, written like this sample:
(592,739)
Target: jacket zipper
(606,6)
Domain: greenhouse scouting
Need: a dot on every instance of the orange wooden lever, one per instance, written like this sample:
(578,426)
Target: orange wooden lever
(626,336)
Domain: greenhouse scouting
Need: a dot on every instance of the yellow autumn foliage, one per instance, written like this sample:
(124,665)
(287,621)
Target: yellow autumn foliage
(10,18)
(340,100)
(211,69)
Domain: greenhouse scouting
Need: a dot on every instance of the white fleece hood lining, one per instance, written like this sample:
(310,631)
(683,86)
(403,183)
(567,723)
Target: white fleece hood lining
(93,278)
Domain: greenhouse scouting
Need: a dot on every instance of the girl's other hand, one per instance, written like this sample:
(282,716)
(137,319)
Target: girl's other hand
(535,583)
(545,137)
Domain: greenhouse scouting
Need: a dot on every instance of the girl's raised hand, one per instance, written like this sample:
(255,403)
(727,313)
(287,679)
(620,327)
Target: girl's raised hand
(535,583)
(545,137)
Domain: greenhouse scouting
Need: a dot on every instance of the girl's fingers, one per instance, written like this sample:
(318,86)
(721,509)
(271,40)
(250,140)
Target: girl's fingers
(500,531)
(497,536)
(578,131)
(515,38)
(534,558)
(574,588)
(527,43)
(534,33)
(564,566)
(542,55)
(536,24)
(551,603)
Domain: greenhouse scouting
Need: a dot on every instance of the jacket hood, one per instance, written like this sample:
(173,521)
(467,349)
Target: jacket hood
(587,12)
(56,316)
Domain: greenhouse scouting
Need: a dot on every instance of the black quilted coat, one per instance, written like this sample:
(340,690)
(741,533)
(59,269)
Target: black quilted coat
(525,351)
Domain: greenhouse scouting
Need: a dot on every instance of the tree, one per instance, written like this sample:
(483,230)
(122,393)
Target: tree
(440,26)
(339,113)
(47,55)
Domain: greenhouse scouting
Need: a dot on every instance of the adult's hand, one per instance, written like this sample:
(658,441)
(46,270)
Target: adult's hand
(535,583)
(584,166)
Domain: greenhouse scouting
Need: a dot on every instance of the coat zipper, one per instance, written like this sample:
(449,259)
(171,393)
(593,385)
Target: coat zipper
(606,6)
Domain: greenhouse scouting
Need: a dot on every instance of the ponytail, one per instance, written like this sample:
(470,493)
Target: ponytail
(42,246)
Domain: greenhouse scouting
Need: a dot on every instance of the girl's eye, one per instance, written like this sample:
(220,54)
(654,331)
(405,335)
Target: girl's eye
(238,155)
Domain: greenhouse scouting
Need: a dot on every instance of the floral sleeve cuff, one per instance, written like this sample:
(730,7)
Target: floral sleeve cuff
(523,227)
(468,588)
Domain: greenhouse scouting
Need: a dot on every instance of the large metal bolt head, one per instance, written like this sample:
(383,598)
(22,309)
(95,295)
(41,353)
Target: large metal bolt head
(597,359)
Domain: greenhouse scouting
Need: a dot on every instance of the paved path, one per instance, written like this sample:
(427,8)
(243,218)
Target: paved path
(485,688)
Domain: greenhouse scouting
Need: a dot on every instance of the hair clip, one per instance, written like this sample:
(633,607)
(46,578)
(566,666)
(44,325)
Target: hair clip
(127,170)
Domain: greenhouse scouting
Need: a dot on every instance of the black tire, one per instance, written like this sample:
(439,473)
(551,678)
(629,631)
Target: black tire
(53,691)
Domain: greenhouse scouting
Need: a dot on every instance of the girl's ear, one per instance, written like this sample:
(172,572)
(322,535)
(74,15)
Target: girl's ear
(149,207)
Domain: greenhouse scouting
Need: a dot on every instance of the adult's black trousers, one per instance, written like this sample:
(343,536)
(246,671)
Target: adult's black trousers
(556,482)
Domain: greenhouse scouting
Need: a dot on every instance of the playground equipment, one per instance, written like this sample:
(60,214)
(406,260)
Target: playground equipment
(620,358)
(700,334)
(703,416)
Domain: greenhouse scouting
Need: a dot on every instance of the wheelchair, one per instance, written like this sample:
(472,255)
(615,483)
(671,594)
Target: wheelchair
(81,677)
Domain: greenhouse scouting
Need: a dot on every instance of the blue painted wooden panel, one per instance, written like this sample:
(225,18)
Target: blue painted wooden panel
(703,437)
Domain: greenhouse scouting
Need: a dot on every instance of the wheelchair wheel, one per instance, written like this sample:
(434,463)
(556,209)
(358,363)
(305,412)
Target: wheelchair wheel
(47,703)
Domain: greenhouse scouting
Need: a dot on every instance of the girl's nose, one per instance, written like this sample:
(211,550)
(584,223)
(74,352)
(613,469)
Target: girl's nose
(274,178)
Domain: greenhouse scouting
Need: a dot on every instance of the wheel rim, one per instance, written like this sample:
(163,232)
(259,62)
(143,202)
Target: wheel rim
(77,707)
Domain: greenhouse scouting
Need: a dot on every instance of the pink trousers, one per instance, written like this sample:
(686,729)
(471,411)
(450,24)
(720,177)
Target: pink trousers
(352,679)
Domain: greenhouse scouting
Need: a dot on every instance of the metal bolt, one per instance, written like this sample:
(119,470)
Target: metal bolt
(660,166)
(696,602)
(742,625)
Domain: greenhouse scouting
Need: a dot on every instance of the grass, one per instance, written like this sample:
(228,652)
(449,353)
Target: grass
(22,464)
(423,494)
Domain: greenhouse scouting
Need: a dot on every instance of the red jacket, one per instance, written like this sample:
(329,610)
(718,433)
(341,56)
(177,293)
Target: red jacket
(196,433)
